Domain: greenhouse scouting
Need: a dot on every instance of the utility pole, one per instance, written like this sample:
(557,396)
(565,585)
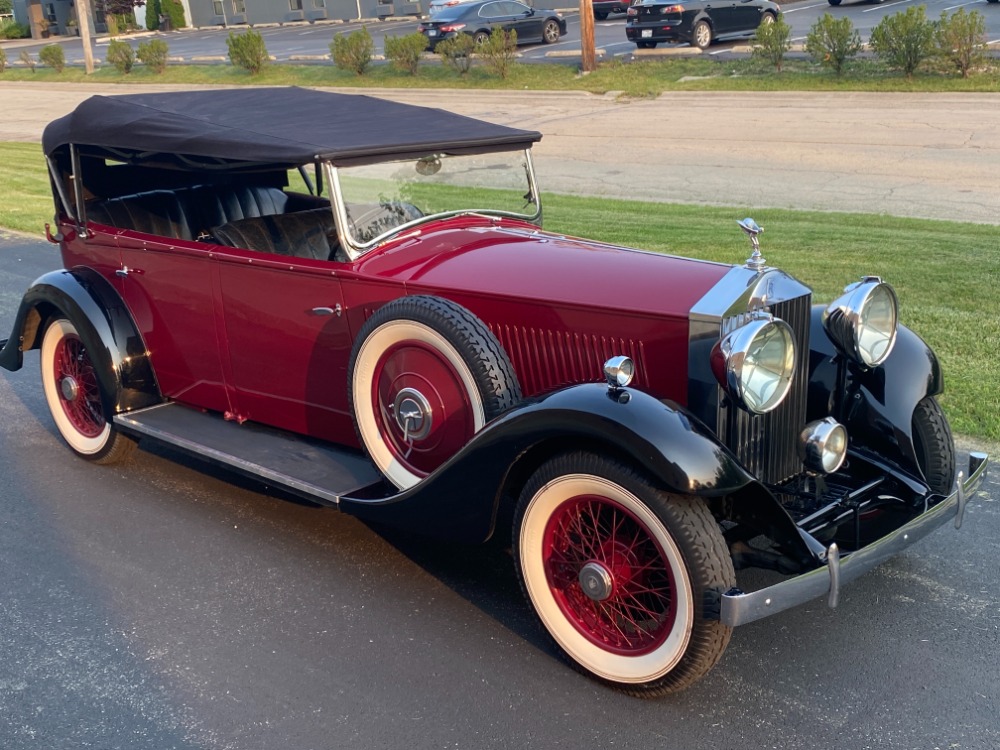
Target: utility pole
(588,56)
(83,20)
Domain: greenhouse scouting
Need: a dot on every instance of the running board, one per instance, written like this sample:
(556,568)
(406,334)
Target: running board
(320,472)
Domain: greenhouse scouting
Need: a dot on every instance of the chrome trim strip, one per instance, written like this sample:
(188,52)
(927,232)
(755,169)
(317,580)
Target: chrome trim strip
(739,608)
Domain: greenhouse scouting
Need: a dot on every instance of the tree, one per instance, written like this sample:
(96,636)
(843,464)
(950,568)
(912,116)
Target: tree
(904,40)
(119,7)
(832,41)
(961,39)
(6,7)
(173,10)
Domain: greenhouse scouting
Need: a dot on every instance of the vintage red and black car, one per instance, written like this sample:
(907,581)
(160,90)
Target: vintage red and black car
(354,300)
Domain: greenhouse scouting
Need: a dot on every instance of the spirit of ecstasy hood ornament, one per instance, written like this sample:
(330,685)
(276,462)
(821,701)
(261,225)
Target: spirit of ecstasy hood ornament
(756,261)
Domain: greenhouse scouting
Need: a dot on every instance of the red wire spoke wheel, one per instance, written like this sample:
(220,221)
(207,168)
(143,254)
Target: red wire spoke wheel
(618,572)
(73,393)
(426,376)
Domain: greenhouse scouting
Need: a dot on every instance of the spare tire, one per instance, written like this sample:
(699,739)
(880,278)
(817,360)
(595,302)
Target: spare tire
(425,376)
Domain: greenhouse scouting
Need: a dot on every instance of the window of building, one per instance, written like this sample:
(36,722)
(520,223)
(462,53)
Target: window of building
(217,7)
(295,4)
(319,3)
(239,6)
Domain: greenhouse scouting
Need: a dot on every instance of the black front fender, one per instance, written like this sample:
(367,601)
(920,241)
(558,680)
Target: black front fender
(105,327)
(460,499)
(876,405)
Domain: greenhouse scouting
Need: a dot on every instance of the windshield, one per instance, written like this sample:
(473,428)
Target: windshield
(380,198)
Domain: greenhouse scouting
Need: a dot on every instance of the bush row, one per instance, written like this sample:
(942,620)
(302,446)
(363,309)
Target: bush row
(903,41)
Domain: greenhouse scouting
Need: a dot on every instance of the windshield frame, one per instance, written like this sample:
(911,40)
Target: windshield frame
(356,249)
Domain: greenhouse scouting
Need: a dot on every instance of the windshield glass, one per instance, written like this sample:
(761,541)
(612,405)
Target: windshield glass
(379,198)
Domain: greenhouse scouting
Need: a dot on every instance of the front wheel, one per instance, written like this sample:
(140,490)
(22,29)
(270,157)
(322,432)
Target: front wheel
(550,32)
(767,19)
(602,15)
(73,393)
(701,36)
(645,45)
(933,444)
(619,573)
(834,3)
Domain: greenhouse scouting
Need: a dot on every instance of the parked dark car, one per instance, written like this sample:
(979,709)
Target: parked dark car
(697,22)
(479,19)
(353,300)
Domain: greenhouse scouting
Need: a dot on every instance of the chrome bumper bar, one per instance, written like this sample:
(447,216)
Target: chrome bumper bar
(739,608)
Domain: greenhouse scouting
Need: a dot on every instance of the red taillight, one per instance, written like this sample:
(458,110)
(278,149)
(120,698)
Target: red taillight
(632,12)
(672,9)
(453,27)
(421,28)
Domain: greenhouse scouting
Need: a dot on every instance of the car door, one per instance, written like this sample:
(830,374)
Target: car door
(526,22)
(746,16)
(288,341)
(721,13)
(169,288)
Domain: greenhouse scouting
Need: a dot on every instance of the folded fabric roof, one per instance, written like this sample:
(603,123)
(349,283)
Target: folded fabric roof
(288,125)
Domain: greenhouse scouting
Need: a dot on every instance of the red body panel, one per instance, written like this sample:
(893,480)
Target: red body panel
(238,331)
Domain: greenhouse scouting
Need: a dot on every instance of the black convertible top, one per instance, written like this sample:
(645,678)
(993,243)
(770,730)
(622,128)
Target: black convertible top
(289,125)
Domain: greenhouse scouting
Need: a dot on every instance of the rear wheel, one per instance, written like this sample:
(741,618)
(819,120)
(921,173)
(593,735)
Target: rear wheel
(73,393)
(619,573)
(480,37)
(425,376)
(701,36)
(834,2)
(600,15)
(934,446)
(645,45)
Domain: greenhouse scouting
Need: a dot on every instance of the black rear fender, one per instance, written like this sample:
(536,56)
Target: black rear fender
(105,327)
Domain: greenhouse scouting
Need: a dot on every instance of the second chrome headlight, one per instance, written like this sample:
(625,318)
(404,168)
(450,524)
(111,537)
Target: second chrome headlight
(862,321)
(755,363)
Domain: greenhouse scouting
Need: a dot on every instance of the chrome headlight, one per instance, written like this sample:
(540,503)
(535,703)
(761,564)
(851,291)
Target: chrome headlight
(862,322)
(619,371)
(755,363)
(823,445)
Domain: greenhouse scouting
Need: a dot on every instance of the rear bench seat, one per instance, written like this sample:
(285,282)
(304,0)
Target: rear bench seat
(190,213)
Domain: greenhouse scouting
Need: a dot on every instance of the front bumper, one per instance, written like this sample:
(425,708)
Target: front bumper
(739,608)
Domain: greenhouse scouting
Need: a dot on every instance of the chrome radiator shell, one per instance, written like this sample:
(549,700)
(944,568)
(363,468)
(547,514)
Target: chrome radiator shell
(766,444)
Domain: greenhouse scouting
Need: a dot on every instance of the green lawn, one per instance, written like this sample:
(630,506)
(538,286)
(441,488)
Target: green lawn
(945,273)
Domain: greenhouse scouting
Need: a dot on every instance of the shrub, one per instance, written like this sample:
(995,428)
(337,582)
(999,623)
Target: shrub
(26,58)
(51,56)
(120,55)
(498,50)
(404,51)
(173,10)
(353,51)
(10,29)
(773,41)
(833,41)
(3,60)
(153,11)
(457,52)
(904,40)
(961,39)
(153,54)
(247,50)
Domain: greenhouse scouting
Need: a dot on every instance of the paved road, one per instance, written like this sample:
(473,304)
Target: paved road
(163,606)
(924,155)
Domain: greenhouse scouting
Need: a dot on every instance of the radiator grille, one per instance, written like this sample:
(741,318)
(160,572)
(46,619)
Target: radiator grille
(546,359)
(768,444)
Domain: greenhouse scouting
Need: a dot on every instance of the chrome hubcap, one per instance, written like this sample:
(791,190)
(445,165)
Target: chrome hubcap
(413,414)
(596,581)
(69,388)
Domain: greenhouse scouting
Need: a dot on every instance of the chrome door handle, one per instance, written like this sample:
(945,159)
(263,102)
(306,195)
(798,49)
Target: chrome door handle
(125,271)
(335,310)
